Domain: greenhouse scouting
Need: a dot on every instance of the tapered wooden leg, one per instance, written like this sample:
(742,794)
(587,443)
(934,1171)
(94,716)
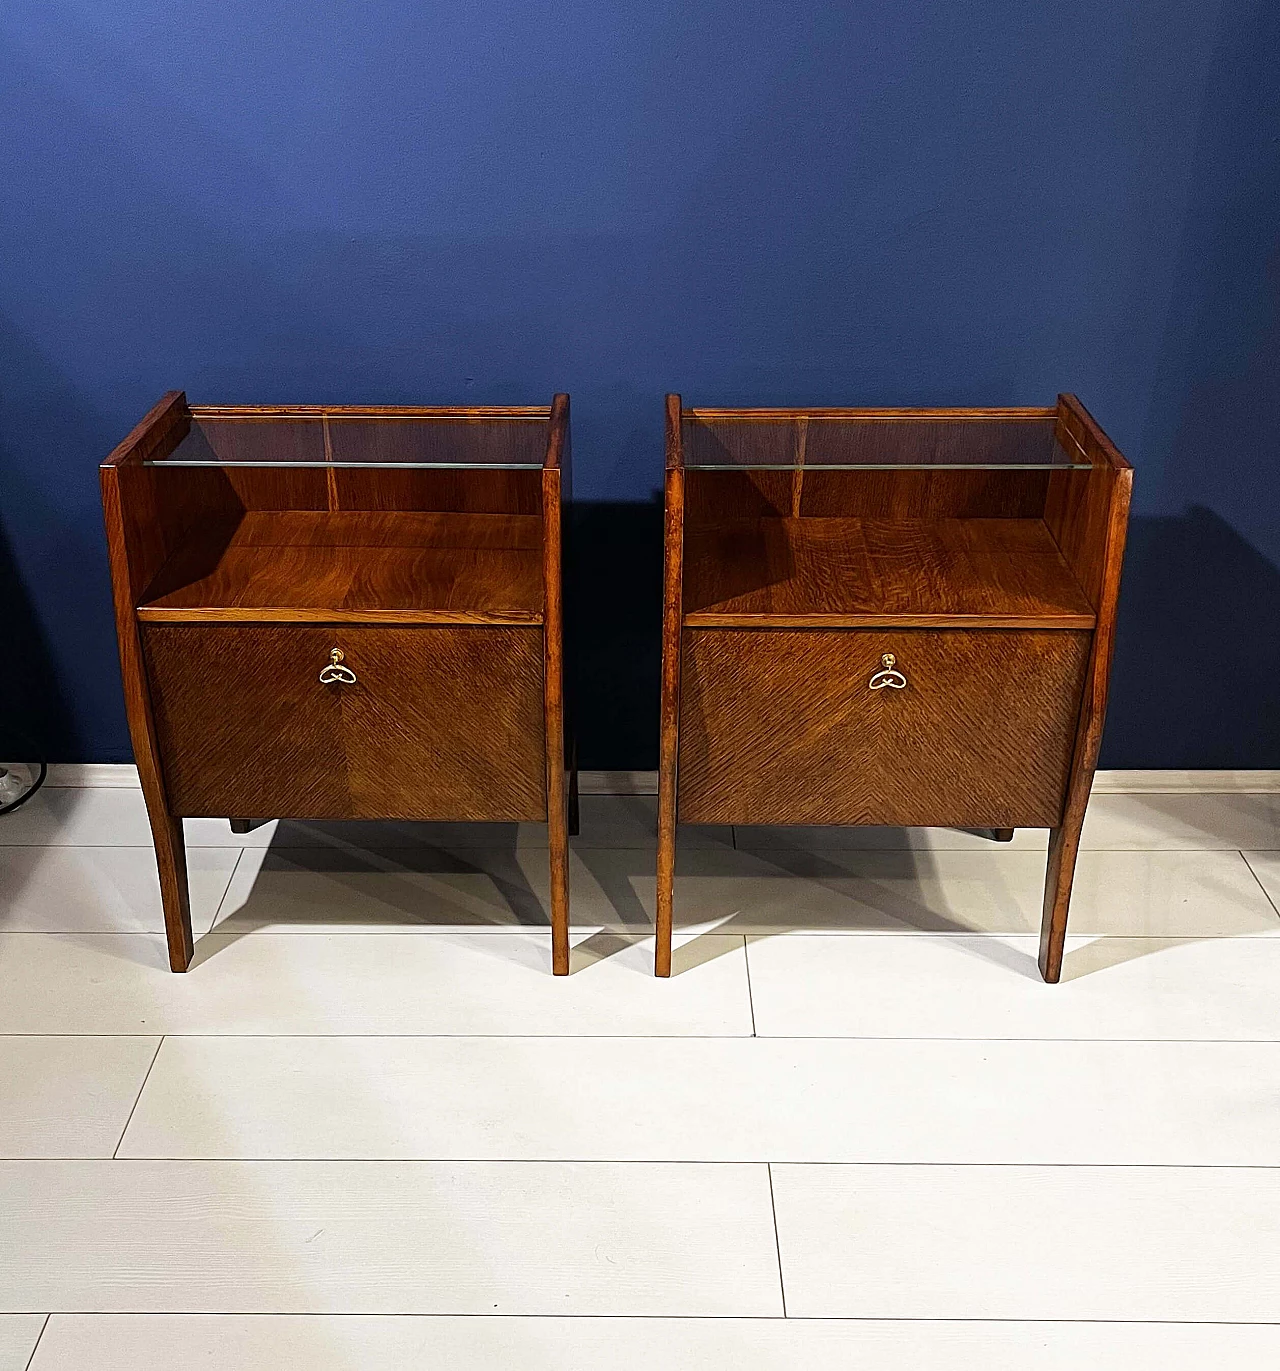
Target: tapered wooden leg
(1064,844)
(171,859)
(1002,835)
(558,842)
(558,801)
(666,881)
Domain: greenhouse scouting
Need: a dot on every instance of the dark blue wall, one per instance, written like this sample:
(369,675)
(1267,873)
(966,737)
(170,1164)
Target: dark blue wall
(884,201)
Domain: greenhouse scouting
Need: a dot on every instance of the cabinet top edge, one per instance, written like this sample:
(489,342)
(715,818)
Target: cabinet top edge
(534,412)
(832,412)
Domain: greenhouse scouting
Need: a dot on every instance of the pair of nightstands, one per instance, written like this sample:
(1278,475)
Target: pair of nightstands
(896,617)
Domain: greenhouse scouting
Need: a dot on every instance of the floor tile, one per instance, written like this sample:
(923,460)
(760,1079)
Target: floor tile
(1124,822)
(161,1342)
(1170,894)
(356,983)
(923,986)
(1168,822)
(88,817)
(385,1237)
(101,816)
(1067,1242)
(876,838)
(743,1099)
(1266,871)
(61,889)
(466,888)
(108,816)
(18,1334)
(629,821)
(68,1097)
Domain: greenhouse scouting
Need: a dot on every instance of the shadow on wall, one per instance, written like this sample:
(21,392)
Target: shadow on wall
(1197,670)
(614,633)
(34,719)
(57,631)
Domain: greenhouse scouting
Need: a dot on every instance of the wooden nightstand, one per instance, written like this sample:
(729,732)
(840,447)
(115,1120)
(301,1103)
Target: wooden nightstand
(896,617)
(343,613)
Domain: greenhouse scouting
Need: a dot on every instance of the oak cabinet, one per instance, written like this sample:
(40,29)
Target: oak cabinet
(899,617)
(345,613)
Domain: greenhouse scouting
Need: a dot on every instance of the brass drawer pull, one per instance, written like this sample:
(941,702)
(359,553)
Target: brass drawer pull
(335,673)
(895,680)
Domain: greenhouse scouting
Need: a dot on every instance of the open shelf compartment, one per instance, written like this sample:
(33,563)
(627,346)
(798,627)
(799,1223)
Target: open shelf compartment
(344,515)
(862,518)
(855,572)
(360,566)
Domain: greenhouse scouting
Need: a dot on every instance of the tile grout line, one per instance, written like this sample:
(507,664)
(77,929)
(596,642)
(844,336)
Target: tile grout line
(226,890)
(777,1239)
(660,1037)
(412,1160)
(141,1088)
(1244,856)
(751,1004)
(657,1318)
(36,1348)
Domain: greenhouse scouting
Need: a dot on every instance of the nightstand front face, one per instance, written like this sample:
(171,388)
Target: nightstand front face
(814,726)
(438,723)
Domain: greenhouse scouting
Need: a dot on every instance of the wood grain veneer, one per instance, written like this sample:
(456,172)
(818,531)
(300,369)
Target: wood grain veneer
(824,572)
(1090,524)
(780,727)
(440,724)
(669,723)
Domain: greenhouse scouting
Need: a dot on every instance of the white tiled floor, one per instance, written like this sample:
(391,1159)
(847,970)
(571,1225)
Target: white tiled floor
(368,1128)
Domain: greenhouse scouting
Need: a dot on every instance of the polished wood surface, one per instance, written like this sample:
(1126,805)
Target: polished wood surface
(554,484)
(355,567)
(1092,531)
(822,572)
(373,411)
(669,722)
(782,727)
(995,590)
(441,585)
(130,553)
(440,723)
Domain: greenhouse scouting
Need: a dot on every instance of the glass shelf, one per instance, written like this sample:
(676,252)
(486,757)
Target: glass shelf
(733,441)
(513,440)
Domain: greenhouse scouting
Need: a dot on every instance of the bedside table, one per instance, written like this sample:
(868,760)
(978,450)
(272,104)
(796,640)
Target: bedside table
(343,613)
(897,617)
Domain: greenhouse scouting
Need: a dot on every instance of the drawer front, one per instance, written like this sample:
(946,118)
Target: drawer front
(780,726)
(439,723)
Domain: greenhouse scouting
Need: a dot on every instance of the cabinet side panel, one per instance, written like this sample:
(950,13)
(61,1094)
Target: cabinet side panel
(162,508)
(1077,514)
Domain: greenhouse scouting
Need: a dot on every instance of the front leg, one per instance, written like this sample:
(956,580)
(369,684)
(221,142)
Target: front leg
(171,860)
(1064,846)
